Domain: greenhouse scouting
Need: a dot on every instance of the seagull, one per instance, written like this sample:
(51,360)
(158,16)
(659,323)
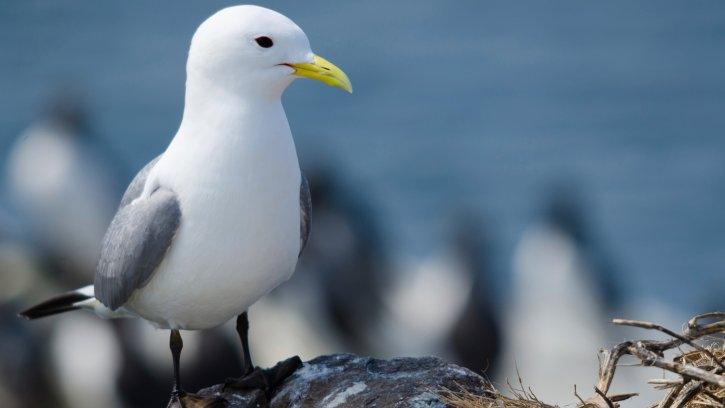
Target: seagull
(219,219)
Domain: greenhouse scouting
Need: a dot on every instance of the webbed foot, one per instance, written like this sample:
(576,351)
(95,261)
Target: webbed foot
(268,379)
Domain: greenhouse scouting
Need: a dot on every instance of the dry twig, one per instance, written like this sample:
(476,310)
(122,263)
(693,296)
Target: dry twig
(700,382)
(700,371)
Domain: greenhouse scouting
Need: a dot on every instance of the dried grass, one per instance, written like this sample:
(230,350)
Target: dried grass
(492,398)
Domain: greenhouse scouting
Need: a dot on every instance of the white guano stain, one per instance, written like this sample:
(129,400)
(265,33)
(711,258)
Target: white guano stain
(342,396)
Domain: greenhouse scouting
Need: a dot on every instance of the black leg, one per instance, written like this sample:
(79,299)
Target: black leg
(176,344)
(179,398)
(243,331)
(252,378)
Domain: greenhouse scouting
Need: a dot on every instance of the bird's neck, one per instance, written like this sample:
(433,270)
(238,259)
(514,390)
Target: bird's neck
(212,112)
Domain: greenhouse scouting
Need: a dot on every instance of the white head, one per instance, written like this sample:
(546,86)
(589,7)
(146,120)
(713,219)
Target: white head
(252,50)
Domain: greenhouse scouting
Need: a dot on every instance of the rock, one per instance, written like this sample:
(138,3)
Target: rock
(345,380)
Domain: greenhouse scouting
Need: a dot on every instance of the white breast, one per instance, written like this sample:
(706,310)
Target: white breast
(239,234)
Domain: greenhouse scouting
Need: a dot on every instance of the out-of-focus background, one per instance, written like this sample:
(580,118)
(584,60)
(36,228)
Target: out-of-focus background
(507,177)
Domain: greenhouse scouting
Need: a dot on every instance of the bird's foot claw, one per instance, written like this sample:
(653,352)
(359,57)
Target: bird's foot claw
(277,374)
(255,380)
(268,379)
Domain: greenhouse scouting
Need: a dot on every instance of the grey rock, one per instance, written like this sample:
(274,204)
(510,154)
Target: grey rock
(346,380)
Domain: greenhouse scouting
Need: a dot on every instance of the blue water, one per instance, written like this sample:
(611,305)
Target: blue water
(457,104)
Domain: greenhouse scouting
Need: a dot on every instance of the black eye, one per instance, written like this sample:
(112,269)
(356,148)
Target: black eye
(264,42)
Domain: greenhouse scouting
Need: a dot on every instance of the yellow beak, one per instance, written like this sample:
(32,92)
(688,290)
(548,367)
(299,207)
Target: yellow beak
(324,71)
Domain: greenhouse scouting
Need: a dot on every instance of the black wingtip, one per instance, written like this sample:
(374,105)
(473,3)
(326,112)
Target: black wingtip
(41,310)
(58,304)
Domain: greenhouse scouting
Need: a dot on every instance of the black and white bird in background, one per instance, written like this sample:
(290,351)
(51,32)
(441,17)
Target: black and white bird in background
(219,219)
(563,282)
(445,304)
(64,182)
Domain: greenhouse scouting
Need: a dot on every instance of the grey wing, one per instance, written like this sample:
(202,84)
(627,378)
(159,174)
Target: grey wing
(134,245)
(305,212)
(135,189)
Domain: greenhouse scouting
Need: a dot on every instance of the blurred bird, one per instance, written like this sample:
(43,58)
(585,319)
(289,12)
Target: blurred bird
(123,363)
(563,292)
(219,219)
(346,255)
(444,305)
(65,184)
(24,367)
(475,339)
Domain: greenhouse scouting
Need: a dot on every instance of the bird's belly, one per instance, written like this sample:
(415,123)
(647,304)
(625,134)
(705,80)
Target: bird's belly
(229,251)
